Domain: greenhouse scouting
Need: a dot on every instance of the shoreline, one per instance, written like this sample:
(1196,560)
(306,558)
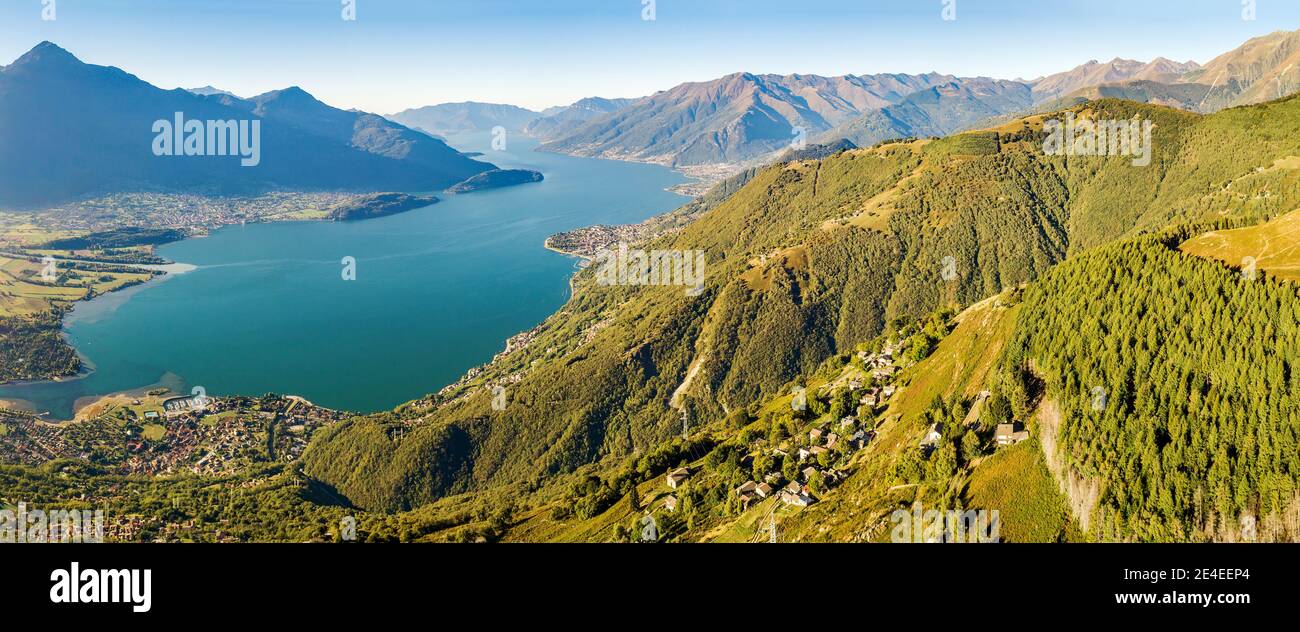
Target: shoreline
(165,270)
(576,255)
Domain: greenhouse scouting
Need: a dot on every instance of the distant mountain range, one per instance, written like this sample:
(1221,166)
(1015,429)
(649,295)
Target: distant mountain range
(70,129)
(1095,73)
(1262,69)
(736,118)
(744,118)
(471,116)
(560,121)
(455,118)
(86,129)
(937,111)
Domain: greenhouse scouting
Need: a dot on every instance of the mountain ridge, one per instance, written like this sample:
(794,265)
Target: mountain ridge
(87,131)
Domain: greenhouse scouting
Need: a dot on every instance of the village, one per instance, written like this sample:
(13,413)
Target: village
(152,435)
(815,459)
(800,466)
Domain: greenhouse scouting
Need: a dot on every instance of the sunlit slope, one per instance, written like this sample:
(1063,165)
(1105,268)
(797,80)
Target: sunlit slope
(1174,384)
(795,275)
(1272,247)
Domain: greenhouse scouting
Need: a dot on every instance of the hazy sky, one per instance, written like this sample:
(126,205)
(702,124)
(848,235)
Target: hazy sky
(536,53)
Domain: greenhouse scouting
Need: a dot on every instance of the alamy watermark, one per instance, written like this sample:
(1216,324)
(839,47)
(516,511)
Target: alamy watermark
(181,137)
(49,269)
(934,526)
(1099,398)
(799,140)
(1105,137)
(1249,268)
(500,397)
(799,399)
(948,269)
(76,585)
(649,529)
(624,266)
(21,525)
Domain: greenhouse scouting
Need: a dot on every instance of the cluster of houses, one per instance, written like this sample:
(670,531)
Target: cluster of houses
(882,365)
(821,440)
(796,493)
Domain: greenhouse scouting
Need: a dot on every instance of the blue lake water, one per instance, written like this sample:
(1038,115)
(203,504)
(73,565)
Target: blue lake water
(438,290)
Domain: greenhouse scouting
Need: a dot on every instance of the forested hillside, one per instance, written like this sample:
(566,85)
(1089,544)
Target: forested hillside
(805,261)
(1175,382)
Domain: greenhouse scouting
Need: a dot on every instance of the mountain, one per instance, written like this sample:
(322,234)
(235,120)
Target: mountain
(1262,69)
(734,119)
(561,121)
(810,262)
(454,118)
(89,130)
(1071,341)
(938,111)
(207,91)
(744,118)
(1184,96)
(1094,73)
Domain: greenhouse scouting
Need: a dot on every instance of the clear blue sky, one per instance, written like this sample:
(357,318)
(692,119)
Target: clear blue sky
(536,53)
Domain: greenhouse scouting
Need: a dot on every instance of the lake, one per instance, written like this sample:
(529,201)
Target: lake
(437,291)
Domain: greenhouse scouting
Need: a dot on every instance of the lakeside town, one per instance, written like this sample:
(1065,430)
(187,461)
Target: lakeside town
(160,435)
(194,214)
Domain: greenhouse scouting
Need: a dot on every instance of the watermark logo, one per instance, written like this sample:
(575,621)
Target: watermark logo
(209,138)
(49,10)
(799,400)
(1087,137)
(499,135)
(1249,268)
(74,585)
(348,529)
(349,10)
(800,141)
(649,529)
(950,526)
(57,525)
(949,11)
(199,399)
(948,269)
(498,398)
(349,272)
(648,10)
(1249,532)
(1248,10)
(50,269)
(621,266)
(1098,398)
